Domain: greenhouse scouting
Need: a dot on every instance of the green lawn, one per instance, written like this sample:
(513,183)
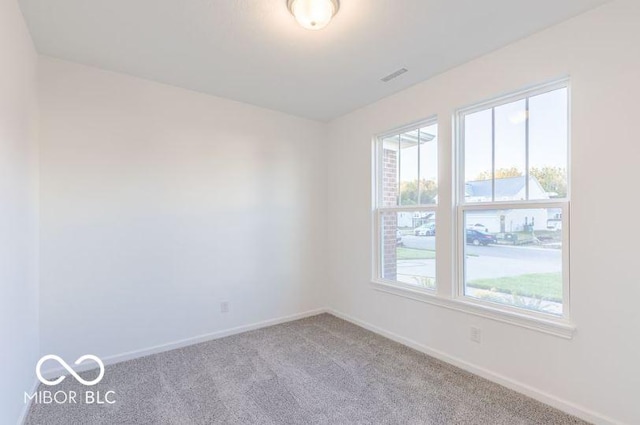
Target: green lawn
(414,254)
(547,286)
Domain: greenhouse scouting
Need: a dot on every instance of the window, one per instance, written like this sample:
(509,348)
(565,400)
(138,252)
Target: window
(505,233)
(513,200)
(405,206)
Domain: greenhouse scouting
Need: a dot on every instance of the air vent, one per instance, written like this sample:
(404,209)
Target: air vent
(394,75)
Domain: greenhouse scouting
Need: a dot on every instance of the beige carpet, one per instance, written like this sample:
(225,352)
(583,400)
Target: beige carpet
(320,370)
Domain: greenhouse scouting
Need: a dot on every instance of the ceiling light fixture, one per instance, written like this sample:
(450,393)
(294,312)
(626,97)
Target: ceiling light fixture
(313,14)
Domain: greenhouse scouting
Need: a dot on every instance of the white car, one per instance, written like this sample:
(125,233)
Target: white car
(425,230)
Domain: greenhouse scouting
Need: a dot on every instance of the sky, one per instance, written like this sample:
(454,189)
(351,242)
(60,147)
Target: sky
(548,127)
(548,139)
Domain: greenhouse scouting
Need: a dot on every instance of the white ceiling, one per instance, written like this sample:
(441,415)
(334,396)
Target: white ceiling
(254,51)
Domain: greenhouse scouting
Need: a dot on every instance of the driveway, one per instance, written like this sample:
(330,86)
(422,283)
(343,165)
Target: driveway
(486,261)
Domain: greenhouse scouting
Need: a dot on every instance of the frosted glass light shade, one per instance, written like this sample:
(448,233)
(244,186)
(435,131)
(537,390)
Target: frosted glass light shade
(313,14)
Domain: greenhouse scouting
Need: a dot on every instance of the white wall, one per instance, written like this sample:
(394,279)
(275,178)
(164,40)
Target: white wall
(598,371)
(18,212)
(158,203)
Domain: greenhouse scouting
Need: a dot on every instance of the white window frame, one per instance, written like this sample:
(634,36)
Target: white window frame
(461,206)
(379,208)
(449,292)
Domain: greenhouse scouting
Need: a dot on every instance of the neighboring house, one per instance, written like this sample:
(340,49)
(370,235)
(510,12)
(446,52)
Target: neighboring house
(414,219)
(507,189)
(554,219)
(405,219)
(507,220)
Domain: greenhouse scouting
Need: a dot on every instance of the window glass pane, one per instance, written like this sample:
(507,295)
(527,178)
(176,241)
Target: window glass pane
(478,157)
(510,151)
(409,168)
(429,165)
(548,136)
(408,247)
(514,257)
(390,171)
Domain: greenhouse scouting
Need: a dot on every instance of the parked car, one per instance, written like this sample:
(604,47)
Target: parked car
(398,237)
(428,229)
(477,238)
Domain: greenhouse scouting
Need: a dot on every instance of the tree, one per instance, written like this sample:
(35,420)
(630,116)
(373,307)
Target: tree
(501,173)
(409,192)
(552,179)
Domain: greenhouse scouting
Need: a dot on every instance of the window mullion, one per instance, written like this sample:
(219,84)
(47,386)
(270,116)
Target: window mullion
(399,196)
(409,208)
(566,258)
(526,142)
(515,205)
(379,174)
(419,201)
(493,154)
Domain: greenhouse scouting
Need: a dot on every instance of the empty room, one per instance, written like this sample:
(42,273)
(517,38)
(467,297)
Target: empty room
(319,212)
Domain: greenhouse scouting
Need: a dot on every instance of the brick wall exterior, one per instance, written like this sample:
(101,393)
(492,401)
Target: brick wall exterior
(389,220)
(390,178)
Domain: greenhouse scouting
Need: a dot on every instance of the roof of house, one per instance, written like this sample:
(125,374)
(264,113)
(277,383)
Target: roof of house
(505,188)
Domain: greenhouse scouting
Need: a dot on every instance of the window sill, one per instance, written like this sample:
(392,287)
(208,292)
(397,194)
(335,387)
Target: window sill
(556,327)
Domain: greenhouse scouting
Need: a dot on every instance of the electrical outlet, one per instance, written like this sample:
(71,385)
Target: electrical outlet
(224,307)
(476,334)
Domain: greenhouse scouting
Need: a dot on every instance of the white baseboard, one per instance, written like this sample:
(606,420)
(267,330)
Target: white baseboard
(25,409)
(543,397)
(118,358)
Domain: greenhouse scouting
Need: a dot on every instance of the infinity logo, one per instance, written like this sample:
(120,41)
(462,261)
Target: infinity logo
(69,369)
